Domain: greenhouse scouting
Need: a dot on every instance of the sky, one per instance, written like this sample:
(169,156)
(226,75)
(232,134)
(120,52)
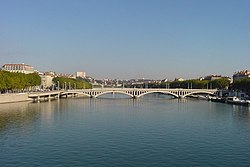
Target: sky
(125,39)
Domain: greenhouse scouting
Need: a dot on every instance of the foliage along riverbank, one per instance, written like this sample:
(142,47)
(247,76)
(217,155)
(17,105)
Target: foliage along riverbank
(68,83)
(18,81)
(222,83)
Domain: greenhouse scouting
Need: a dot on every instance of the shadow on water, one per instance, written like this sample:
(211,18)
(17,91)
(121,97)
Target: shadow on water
(124,96)
(114,96)
(157,96)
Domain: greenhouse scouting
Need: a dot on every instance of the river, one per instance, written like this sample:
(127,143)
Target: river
(151,131)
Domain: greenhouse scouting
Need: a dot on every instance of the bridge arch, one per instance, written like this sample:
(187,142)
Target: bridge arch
(197,92)
(136,93)
(76,92)
(85,94)
(115,92)
(164,92)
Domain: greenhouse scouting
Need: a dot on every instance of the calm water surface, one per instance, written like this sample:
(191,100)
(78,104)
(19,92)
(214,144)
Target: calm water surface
(124,132)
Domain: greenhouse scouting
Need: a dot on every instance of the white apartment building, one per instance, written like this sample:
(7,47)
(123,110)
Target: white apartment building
(81,74)
(21,68)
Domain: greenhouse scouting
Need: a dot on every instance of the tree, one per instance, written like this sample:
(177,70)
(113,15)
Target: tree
(222,83)
(241,84)
(80,84)
(18,81)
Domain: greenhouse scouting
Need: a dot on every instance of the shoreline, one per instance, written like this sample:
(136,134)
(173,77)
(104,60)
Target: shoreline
(14,97)
(24,97)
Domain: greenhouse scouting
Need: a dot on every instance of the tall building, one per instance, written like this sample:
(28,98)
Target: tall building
(81,74)
(21,68)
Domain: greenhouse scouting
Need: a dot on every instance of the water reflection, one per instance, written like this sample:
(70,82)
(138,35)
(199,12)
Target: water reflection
(114,96)
(23,113)
(117,131)
(124,96)
(241,112)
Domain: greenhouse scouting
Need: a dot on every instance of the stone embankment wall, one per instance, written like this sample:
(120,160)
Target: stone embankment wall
(10,98)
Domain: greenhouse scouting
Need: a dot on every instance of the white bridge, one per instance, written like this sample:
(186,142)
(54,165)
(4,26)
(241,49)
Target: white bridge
(137,93)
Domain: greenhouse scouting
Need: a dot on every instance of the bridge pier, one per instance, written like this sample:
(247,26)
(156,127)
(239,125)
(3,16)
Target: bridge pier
(38,98)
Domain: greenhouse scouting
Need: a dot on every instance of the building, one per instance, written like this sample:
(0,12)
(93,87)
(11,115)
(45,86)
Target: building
(179,79)
(241,74)
(21,68)
(66,76)
(47,79)
(244,87)
(81,74)
(212,77)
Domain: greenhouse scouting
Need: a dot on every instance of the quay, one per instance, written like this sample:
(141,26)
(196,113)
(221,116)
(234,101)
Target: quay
(230,100)
(14,97)
(35,96)
(38,96)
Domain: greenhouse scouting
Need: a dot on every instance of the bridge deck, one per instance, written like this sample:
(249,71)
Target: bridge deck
(136,93)
(132,92)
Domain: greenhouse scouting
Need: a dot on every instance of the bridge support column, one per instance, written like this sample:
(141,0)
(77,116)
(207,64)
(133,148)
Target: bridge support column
(38,98)
(135,97)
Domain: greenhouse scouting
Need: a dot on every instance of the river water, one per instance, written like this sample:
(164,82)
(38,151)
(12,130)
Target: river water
(124,132)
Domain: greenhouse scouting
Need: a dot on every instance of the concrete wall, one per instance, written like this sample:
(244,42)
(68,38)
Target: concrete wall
(9,98)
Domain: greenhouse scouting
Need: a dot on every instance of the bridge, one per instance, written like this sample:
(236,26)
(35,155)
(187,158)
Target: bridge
(137,93)
(38,96)
(131,92)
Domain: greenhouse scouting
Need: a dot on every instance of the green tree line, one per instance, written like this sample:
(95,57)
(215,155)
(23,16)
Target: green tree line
(18,81)
(242,84)
(71,83)
(222,83)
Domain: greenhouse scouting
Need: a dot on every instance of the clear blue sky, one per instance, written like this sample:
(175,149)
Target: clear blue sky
(127,38)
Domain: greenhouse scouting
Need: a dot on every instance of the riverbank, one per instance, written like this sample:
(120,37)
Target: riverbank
(14,97)
(229,100)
